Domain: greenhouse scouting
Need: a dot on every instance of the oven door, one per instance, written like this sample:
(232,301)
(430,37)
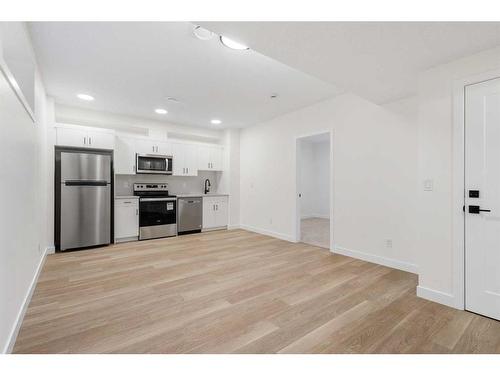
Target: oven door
(157,217)
(153,164)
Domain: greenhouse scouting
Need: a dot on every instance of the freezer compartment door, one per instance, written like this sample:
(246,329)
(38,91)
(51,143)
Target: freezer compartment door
(85,166)
(85,215)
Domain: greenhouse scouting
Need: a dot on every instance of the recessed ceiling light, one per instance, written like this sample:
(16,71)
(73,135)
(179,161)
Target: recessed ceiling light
(232,44)
(161,111)
(202,33)
(216,121)
(86,97)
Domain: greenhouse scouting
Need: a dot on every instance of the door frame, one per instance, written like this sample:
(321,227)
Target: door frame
(330,132)
(458,182)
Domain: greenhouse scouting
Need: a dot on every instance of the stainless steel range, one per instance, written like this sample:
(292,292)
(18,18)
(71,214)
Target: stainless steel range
(157,211)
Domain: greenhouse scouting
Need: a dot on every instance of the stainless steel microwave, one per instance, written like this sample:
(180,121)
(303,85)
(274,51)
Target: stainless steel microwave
(153,164)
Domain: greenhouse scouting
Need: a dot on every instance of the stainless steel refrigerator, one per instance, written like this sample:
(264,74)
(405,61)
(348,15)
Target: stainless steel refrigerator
(83,198)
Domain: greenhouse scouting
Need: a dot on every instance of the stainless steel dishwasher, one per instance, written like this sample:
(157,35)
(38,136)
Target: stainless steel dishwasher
(189,215)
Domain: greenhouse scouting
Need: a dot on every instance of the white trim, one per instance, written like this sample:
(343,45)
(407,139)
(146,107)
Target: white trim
(9,346)
(281,236)
(437,296)
(233,226)
(296,237)
(388,262)
(458,172)
(315,216)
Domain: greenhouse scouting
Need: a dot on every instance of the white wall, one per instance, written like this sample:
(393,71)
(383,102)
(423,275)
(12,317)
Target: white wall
(230,179)
(315,179)
(23,191)
(436,208)
(374,172)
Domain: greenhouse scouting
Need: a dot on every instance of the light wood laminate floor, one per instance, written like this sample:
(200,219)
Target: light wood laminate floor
(237,292)
(315,231)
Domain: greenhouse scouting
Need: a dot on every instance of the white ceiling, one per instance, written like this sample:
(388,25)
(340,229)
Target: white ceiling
(379,61)
(131,68)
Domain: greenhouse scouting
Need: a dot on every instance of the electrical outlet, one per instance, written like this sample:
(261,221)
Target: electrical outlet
(388,243)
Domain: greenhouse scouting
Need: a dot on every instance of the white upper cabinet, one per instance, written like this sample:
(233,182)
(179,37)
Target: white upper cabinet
(185,159)
(124,157)
(154,147)
(71,137)
(82,136)
(210,158)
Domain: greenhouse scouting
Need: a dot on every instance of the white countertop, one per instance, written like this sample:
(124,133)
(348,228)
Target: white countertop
(126,197)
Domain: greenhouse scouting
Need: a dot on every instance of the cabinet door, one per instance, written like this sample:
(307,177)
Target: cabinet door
(124,155)
(221,212)
(126,218)
(96,139)
(71,137)
(179,168)
(204,158)
(164,148)
(216,158)
(191,159)
(146,146)
(209,213)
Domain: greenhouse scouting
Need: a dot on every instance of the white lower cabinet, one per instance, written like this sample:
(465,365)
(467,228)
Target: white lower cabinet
(126,219)
(215,212)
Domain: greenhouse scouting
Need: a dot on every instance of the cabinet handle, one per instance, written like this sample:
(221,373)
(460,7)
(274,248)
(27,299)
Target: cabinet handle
(84,140)
(208,165)
(136,212)
(90,140)
(187,169)
(127,202)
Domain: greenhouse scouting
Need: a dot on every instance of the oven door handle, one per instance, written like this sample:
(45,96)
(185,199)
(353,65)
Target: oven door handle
(157,199)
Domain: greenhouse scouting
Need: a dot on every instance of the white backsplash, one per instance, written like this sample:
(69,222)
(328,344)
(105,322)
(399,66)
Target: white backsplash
(176,184)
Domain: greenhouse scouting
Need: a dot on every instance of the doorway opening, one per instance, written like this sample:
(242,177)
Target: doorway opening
(314,221)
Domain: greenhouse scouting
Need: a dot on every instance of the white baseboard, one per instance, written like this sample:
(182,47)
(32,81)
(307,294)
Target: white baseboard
(27,299)
(437,296)
(388,262)
(50,250)
(233,226)
(266,232)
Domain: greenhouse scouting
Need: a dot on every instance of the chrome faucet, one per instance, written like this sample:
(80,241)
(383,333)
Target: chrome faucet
(207,186)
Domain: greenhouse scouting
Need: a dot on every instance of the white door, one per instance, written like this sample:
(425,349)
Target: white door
(221,215)
(191,159)
(204,158)
(482,198)
(126,218)
(124,155)
(102,140)
(209,213)
(216,158)
(146,146)
(72,137)
(178,159)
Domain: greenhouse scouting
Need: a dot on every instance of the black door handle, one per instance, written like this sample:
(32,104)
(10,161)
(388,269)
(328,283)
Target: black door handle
(476,210)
